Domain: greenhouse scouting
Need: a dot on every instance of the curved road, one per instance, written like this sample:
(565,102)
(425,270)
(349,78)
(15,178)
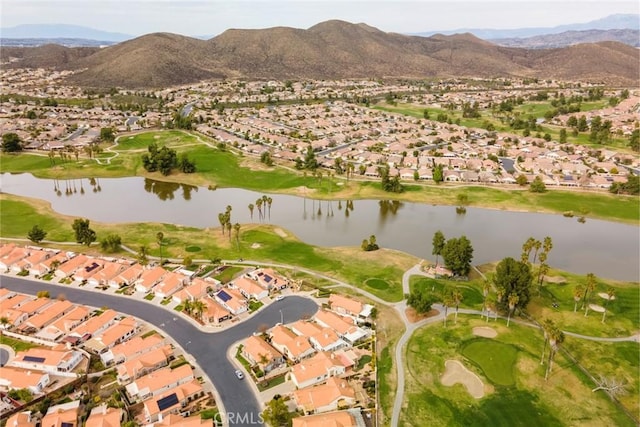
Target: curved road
(209,349)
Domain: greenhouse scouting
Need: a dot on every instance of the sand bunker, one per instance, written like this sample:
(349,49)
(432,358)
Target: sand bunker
(256,246)
(456,373)
(485,331)
(280,232)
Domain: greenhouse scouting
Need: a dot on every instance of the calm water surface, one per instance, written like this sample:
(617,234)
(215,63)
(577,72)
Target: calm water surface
(607,249)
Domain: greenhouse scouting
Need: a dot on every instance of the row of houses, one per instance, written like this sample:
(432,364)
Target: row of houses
(318,355)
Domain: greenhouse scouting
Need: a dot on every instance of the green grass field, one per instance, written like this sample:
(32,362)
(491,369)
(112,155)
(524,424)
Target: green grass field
(471,291)
(565,399)
(497,360)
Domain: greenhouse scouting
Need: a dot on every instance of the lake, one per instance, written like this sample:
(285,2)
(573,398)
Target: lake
(607,249)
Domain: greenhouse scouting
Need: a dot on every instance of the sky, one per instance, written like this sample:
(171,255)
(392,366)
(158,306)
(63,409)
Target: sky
(212,17)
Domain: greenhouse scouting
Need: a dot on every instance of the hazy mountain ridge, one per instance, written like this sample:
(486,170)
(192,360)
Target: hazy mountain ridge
(332,50)
(569,38)
(611,22)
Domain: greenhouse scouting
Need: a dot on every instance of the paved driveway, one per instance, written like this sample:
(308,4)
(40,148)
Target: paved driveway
(208,349)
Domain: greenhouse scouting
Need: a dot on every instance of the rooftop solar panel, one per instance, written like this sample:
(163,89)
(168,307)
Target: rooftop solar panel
(224,296)
(267,278)
(167,402)
(67,424)
(33,359)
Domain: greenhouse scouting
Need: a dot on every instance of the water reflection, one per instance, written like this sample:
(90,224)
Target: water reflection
(605,248)
(166,190)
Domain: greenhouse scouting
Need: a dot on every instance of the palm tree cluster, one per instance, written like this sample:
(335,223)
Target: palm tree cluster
(261,202)
(194,308)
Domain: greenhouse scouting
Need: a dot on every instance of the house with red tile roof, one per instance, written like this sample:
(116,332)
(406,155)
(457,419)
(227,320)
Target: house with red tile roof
(294,347)
(68,268)
(214,313)
(95,325)
(149,279)
(64,415)
(108,272)
(15,255)
(171,401)
(47,265)
(170,284)
(268,278)
(43,318)
(349,307)
(336,393)
(327,340)
(12,378)
(21,419)
(317,369)
(36,256)
(249,288)
(258,352)
(103,416)
(196,290)
(117,333)
(232,300)
(86,271)
(133,348)
(344,326)
(127,277)
(349,418)
(173,420)
(56,361)
(143,364)
(158,382)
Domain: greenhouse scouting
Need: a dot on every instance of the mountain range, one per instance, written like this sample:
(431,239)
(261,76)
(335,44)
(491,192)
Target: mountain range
(611,22)
(568,38)
(329,50)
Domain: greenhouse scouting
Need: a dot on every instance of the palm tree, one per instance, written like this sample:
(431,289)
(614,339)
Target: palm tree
(536,245)
(198,308)
(236,229)
(269,202)
(556,337)
(187,306)
(513,301)
(160,238)
(500,294)
(251,210)
(578,294)
(547,326)
(485,293)
(259,206)
(590,286)
(229,227)
(222,220)
(611,294)
(491,306)
(4,321)
(142,255)
(447,302)
(457,297)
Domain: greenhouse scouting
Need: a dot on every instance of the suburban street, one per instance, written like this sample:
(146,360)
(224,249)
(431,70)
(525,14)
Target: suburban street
(208,349)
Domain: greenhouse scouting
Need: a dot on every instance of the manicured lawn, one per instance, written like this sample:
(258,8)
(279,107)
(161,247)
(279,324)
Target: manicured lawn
(378,284)
(363,362)
(15,344)
(149,297)
(496,359)
(471,291)
(141,141)
(209,414)
(280,379)
(254,305)
(228,273)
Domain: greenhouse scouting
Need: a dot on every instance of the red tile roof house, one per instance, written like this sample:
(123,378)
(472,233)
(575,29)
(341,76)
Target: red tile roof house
(44,267)
(268,278)
(344,326)
(102,416)
(214,313)
(64,415)
(170,284)
(33,307)
(294,347)
(144,364)
(69,267)
(120,332)
(196,290)
(327,340)
(88,270)
(35,257)
(95,325)
(172,401)
(52,313)
(56,361)
(317,369)
(258,352)
(355,309)
(131,349)
(249,288)
(108,272)
(149,279)
(12,378)
(127,277)
(159,382)
(335,394)
(231,300)
(13,257)
(64,325)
